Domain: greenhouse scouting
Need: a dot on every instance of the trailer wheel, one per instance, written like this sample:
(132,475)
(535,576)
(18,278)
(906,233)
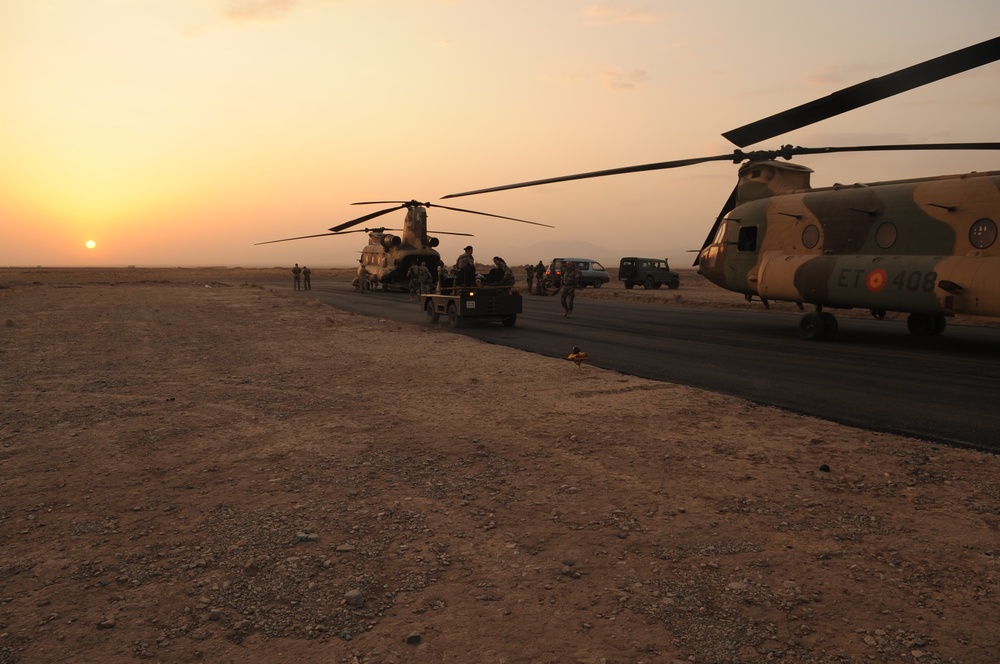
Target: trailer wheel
(453,317)
(432,315)
(509,321)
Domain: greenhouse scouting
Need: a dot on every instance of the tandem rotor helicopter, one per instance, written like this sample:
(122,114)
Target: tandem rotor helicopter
(925,247)
(389,256)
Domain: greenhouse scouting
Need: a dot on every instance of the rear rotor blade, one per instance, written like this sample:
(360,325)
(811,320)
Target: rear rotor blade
(867,92)
(289,239)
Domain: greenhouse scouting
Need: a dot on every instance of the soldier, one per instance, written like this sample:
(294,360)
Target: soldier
(413,276)
(506,276)
(465,268)
(363,283)
(297,277)
(530,275)
(540,277)
(306,278)
(570,280)
(426,278)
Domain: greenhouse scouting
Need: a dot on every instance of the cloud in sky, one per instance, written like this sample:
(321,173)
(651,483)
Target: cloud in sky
(618,80)
(611,15)
(258,10)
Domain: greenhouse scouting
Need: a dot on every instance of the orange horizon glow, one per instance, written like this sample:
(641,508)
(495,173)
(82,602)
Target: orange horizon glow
(182,133)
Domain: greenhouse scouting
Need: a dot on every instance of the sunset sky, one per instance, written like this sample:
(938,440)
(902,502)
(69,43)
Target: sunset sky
(181,132)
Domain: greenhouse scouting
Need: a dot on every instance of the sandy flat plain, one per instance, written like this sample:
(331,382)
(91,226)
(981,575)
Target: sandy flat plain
(196,467)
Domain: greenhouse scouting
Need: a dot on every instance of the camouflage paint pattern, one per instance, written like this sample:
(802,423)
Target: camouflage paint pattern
(921,246)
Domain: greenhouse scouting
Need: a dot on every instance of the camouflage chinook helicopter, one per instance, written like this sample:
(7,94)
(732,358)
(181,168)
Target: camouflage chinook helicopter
(389,256)
(923,247)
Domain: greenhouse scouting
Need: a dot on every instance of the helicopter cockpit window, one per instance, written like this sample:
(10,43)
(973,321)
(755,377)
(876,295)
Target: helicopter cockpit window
(983,234)
(748,239)
(810,236)
(885,236)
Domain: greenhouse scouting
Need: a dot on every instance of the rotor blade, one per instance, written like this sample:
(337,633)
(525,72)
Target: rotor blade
(449,233)
(487,214)
(597,174)
(359,220)
(288,239)
(867,92)
(726,209)
(790,150)
(405,203)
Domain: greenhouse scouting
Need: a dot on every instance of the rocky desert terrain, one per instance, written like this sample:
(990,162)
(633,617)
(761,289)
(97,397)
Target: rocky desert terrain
(199,466)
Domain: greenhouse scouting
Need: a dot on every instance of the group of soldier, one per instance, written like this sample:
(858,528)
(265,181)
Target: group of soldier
(421,280)
(569,281)
(301,277)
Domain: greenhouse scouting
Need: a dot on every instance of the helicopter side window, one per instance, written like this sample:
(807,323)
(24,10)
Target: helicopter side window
(983,233)
(748,239)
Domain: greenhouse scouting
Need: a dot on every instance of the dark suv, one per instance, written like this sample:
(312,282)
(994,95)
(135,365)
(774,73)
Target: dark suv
(650,272)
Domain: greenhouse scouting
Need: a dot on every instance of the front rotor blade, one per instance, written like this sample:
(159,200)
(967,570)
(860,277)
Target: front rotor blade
(289,239)
(597,174)
(487,214)
(449,233)
(359,220)
(867,92)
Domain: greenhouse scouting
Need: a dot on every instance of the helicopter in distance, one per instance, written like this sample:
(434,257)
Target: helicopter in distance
(387,256)
(925,247)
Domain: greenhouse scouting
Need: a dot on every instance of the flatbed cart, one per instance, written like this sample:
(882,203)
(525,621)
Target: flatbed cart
(468,305)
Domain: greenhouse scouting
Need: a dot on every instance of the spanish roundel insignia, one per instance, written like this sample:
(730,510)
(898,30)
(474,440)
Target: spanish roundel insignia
(877,280)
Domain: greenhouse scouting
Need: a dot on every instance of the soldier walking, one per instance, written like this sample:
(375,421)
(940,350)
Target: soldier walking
(570,280)
(540,277)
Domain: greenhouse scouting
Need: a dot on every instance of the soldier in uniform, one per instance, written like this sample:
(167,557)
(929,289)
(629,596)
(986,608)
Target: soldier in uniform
(306,278)
(363,283)
(505,274)
(426,278)
(540,277)
(413,275)
(297,277)
(530,274)
(465,268)
(570,280)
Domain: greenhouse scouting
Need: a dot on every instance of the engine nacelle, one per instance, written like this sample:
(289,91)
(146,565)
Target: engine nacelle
(390,241)
(433,241)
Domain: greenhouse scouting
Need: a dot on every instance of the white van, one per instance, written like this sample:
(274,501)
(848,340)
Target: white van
(592,273)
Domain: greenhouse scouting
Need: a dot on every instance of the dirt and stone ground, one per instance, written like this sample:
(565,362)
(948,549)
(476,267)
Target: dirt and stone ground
(199,468)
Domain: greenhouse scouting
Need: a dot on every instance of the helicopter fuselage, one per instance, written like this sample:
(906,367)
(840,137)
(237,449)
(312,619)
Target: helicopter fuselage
(921,246)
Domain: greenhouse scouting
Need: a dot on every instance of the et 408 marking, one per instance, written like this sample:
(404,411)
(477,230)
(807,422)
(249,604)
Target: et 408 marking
(876,280)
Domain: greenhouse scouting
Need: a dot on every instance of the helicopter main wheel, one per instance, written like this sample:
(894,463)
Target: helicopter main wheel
(432,315)
(453,317)
(509,321)
(925,325)
(816,326)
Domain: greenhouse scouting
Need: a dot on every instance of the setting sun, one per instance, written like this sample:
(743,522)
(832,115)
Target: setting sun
(91,244)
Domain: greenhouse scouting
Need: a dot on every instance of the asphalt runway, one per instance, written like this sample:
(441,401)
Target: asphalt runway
(875,375)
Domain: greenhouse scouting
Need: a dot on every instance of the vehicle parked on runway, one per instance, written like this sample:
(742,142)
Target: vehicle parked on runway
(592,273)
(649,272)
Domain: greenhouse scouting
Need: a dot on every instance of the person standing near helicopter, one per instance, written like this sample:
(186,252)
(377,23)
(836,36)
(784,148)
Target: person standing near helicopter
(465,268)
(567,291)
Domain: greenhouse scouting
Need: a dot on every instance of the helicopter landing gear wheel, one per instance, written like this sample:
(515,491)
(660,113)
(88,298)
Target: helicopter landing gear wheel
(818,325)
(453,317)
(432,315)
(925,325)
